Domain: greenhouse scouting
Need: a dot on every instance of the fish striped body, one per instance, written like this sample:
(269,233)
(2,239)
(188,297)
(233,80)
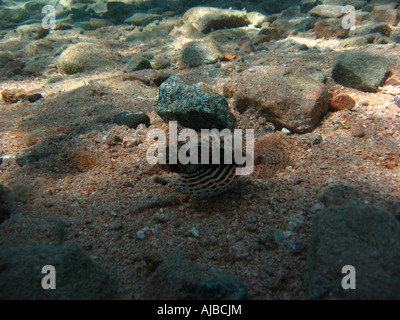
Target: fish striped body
(208,182)
(205,180)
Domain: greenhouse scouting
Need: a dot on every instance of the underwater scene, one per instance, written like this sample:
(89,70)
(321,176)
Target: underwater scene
(199,150)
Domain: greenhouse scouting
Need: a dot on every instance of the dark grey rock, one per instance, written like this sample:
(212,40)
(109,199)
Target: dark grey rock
(4,213)
(340,195)
(4,191)
(33,97)
(4,58)
(361,71)
(192,107)
(14,14)
(132,120)
(222,287)
(77,275)
(137,63)
(176,278)
(28,229)
(364,237)
(307,5)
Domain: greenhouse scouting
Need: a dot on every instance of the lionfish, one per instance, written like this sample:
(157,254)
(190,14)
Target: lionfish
(209,180)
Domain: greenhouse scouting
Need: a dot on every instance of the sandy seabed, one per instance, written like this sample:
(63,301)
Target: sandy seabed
(107,194)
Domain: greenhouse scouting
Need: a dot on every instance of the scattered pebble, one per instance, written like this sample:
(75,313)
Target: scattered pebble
(342,102)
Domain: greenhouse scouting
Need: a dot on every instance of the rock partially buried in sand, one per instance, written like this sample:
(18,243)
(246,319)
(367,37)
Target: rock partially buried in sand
(197,53)
(176,278)
(364,237)
(361,71)
(192,107)
(132,120)
(84,56)
(207,19)
(32,31)
(222,287)
(77,275)
(327,11)
(4,58)
(287,98)
(142,19)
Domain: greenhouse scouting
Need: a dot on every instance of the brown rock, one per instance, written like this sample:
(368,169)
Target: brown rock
(358,130)
(342,102)
(330,28)
(13,67)
(261,38)
(287,98)
(246,45)
(390,16)
(393,81)
(12,96)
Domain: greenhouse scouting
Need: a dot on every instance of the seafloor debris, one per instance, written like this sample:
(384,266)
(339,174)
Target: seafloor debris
(12,96)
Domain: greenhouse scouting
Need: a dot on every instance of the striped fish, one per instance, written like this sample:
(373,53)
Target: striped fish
(208,182)
(204,180)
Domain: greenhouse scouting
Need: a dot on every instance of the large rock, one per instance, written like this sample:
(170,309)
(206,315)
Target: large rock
(330,28)
(364,237)
(77,275)
(84,56)
(361,71)
(15,15)
(327,11)
(192,107)
(32,31)
(287,98)
(197,53)
(207,19)
(176,278)
(382,14)
(222,287)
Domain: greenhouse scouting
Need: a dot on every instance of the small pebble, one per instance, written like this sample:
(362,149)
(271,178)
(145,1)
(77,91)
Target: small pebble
(314,138)
(141,234)
(194,232)
(285,131)
(130,142)
(358,130)
(112,140)
(12,96)
(33,97)
(342,102)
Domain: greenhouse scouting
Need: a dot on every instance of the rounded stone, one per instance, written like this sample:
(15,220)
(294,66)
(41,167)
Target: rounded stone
(84,56)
